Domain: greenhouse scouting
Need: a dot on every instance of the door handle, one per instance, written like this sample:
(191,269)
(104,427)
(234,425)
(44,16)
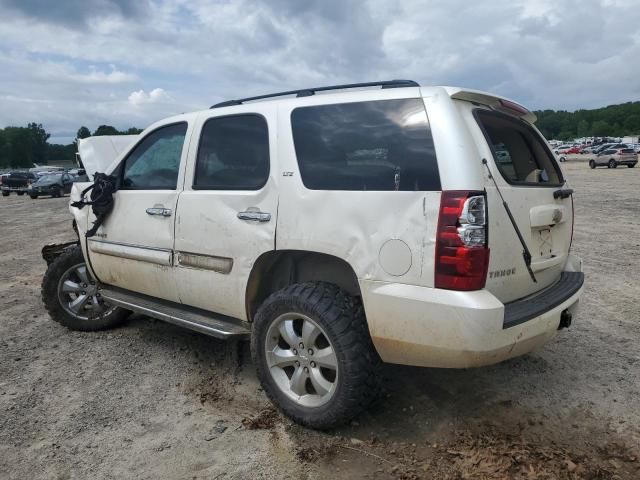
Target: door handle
(163,212)
(254,215)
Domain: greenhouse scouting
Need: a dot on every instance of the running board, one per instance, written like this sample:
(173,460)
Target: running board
(202,321)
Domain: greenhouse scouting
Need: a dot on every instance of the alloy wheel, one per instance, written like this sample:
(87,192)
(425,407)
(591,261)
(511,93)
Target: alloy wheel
(301,359)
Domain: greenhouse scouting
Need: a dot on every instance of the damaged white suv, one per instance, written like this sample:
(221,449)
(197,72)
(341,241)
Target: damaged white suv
(335,227)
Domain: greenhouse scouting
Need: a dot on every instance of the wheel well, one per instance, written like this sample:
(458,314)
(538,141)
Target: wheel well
(276,270)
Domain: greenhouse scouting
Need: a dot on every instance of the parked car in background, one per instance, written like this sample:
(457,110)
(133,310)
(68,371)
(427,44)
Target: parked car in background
(80,175)
(574,150)
(17,182)
(562,149)
(612,157)
(54,184)
(586,149)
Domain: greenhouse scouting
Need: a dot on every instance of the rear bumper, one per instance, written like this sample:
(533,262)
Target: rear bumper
(429,327)
(6,188)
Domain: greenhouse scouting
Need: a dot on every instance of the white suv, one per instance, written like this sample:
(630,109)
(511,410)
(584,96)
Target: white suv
(335,227)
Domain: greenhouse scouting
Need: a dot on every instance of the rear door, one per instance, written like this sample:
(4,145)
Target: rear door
(527,174)
(227,212)
(133,247)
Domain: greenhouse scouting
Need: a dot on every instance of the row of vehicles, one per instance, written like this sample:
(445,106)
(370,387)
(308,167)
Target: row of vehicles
(36,184)
(609,155)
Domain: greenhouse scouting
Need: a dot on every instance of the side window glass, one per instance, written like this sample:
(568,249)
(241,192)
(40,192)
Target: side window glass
(374,145)
(233,154)
(155,162)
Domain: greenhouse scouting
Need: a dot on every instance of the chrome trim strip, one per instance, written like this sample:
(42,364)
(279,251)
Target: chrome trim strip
(158,256)
(204,262)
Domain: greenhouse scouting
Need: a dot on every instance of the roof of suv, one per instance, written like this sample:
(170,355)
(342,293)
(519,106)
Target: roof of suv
(457,93)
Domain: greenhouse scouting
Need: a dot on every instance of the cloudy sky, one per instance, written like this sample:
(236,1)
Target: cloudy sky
(128,63)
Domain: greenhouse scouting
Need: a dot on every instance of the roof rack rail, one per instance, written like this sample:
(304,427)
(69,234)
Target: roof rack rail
(307,92)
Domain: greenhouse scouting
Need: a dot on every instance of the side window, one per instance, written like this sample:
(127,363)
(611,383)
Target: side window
(233,154)
(155,162)
(374,145)
(519,152)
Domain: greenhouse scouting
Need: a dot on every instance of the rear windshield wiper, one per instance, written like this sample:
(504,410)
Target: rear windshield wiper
(526,254)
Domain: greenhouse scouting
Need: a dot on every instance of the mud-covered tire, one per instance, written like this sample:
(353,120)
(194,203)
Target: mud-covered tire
(341,318)
(51,283)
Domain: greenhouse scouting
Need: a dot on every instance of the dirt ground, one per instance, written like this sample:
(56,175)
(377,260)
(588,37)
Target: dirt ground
(152,401)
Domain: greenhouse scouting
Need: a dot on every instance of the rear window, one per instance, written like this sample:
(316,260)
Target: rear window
(628,150)
(377,145)
(518,150)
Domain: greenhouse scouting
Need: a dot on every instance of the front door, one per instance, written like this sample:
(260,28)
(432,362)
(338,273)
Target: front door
(133,247)
(227,211)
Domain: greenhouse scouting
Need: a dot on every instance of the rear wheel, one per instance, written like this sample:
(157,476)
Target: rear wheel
(313,354)
(20,193)
(631,165)
(55,192)
(612,163)
(33,196)
(5,194)
(592,164)
(72,297)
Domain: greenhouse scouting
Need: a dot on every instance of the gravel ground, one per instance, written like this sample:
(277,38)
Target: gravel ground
(150,400)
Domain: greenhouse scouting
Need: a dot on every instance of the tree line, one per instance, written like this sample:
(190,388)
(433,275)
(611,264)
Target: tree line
(22,147)
(612,121)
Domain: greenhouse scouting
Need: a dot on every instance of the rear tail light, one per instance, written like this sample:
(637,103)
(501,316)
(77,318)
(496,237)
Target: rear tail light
(462,252)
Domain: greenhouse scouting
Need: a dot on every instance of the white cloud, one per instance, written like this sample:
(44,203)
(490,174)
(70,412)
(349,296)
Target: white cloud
(106,64)
(140,97)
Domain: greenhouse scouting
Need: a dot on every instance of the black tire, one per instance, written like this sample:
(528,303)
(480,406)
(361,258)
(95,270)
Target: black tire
(112,317)
(563,159)
(592,164)
(33,196)
(5,194)
(612,164)
(20,193)
(55,192)
(631,165)
(341,316)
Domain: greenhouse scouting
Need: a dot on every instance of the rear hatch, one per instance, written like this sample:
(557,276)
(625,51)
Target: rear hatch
(627,155)
(532,184)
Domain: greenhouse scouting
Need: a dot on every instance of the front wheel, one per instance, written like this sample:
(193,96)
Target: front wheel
(33,197)
(5,194)
(612,164)
(631,165)
(20,193)
(313,354)
(72,297)
(592,164)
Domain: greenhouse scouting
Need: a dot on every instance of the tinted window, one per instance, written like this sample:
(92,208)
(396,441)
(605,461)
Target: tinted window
(519,152)
(380,145)
(233,154)
(155,162)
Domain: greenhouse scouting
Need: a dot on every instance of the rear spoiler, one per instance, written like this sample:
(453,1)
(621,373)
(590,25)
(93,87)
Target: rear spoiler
(497,103)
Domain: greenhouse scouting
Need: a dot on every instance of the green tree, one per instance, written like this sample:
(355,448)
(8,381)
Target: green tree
(133,131)
(83,132)
(106,130)
(632,124)
(583,128)
(38,142)
(601,128)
